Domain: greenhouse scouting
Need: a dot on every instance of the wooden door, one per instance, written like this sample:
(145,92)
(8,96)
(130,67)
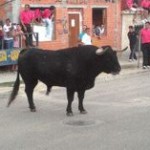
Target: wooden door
(73,29)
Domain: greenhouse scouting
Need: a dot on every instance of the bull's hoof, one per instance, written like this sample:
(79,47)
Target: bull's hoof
(47,93)
(33,110)
(83,112)
(69,114)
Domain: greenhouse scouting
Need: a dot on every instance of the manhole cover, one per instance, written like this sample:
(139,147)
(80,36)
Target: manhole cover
(81,122)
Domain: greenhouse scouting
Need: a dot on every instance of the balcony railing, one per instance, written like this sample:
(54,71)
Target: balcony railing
(83,1)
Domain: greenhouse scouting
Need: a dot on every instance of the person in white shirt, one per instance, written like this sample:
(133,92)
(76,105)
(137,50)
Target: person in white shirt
(99,31)
(8,34)
(86,38)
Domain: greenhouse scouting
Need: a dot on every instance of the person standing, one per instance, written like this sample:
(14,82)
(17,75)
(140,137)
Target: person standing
(48,19)
(81,35)
(145,4)
(18,36)
(8,34)
(97,31)
(27,18)
(86,38)
(132,36)
(145,40)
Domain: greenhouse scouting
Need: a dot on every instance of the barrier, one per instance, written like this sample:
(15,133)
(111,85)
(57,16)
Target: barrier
(9,56)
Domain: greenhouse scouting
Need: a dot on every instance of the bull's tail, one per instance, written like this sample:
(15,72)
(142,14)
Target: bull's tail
(15,90)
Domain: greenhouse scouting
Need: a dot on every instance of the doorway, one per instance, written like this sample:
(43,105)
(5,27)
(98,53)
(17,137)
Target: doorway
(74,26)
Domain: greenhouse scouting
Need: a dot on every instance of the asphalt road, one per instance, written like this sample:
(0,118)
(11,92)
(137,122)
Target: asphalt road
(118,118)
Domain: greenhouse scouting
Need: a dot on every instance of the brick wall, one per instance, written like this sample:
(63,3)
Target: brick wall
(5,8)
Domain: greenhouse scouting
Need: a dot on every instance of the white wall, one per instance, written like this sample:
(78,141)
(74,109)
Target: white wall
(127,20)
(16,11)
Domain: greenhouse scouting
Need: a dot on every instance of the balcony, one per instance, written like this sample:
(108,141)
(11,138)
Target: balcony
(84,1)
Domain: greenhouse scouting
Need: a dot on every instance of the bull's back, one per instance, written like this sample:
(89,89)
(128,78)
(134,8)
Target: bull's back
(54,67)
(42,65)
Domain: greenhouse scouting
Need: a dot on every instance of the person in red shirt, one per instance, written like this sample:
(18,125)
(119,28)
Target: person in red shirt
(145,4)
(132,4)
(145,40)
(38,15)
(27,18)
(47,17)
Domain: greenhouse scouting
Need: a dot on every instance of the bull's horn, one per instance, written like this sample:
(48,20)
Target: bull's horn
(101,50)
(122,49)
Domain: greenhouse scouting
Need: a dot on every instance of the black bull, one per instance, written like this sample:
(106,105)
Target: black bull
(74,68)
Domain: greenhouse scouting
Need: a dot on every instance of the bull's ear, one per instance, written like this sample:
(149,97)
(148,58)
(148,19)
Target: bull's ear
(101,51)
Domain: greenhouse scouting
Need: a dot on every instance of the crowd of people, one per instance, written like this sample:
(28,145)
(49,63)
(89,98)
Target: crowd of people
(140,8)
(11,34)
(134,4)
(85,37)
(143,36)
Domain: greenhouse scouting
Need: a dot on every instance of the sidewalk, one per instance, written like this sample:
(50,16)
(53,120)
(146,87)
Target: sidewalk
(127,68)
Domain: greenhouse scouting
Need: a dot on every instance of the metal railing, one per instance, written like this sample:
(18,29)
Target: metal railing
(82,1)
(21,41)
(9,56)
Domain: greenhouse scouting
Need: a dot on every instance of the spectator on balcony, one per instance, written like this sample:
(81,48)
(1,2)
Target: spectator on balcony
(132,4)
(48,19)
(8,34)
(99,31)
(27,18)
(145,4)
(38,15)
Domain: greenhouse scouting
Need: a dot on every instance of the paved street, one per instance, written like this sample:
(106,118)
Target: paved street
(118,118)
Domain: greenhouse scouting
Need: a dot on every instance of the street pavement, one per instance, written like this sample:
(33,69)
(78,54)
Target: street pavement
(117,119)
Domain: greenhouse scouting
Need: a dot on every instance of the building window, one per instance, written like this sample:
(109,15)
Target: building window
(99,21)
(44,26)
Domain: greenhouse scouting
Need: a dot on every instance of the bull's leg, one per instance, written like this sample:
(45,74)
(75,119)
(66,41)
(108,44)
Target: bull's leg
(29,87)
(81,97)
(70,97)
(48,89)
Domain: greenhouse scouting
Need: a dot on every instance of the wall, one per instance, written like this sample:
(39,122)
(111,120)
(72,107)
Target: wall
(5,9)
(127,20)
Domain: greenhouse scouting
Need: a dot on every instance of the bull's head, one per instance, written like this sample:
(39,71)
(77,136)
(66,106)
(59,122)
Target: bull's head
(108,59)
(101,50)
